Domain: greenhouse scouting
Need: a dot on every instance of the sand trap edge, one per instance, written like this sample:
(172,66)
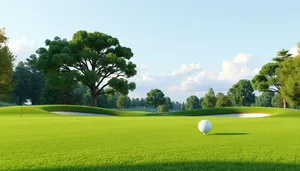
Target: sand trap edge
(243,115)
(79,113)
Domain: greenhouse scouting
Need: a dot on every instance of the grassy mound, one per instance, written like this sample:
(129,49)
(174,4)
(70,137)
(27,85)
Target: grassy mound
(45,110)
(230,110)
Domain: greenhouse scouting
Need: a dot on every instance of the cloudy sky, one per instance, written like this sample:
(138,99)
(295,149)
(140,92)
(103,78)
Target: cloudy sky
(182,47)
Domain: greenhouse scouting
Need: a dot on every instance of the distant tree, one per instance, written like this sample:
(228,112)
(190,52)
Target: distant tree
(183,107)
(163,108)
(289,76)
(155,98)
(95,59)
(102,100)
(268,77)
(121,103)
(209,100)
(128,102)
(6,67)
(192,103)
(36,80)
(200,102)
(21,79)
(66,96)
(143,102)
(79,92)
(133,102)
(138,102)
(265,99)
(49,94)
(169,103)
(222,100)
(112,99)
(242,93)
(277,101)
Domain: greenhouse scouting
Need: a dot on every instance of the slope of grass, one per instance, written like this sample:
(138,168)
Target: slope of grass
(44,110)
(229,110)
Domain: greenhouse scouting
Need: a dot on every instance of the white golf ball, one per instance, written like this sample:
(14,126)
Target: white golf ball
(204,126)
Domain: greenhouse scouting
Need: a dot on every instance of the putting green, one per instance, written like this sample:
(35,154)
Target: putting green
(43,141)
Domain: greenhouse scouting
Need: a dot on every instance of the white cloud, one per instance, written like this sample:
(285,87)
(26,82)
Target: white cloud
(195,81)
(232,71)
(184,69)
(294,51)
(22,48)
(146,77)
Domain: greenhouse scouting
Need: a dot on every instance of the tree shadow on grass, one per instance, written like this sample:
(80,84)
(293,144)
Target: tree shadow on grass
(180,166)
(230,133)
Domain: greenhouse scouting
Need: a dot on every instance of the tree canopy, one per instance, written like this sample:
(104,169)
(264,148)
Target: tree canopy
(242,93)
(265,99)
(290,81)
(21,78)
(95,59)
(169,103)
(121,102)
(192,103)
(155,98)
(222,100)
(209,100)
(6,67)
(268,77)
(277,101)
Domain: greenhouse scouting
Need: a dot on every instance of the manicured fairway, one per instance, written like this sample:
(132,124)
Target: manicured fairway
(43,141)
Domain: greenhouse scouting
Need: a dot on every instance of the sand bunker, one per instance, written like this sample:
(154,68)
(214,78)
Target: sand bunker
(79,113)
(244,115)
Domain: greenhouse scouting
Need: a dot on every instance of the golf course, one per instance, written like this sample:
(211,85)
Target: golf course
(149,86)
(41,140)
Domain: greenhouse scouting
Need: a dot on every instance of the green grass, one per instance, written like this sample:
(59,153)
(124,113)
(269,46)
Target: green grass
(44,141)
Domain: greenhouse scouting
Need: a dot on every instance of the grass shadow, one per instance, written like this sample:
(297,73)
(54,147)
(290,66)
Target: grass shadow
(180,166)
(230,133)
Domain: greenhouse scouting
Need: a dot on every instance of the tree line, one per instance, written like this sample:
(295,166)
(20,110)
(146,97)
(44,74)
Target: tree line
(277,81)
(92,69)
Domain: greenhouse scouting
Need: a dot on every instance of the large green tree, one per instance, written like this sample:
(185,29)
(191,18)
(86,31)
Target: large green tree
(95,59)
(155,98)
(267,80)
(242,93)
(209,100)
(6,67)
(192,103)
(222,100)
(289,78)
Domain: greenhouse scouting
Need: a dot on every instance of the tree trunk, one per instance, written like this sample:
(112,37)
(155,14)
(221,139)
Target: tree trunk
(284,103)
(93,97)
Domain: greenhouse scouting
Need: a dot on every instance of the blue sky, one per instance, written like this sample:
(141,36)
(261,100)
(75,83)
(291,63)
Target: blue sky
(219,42)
